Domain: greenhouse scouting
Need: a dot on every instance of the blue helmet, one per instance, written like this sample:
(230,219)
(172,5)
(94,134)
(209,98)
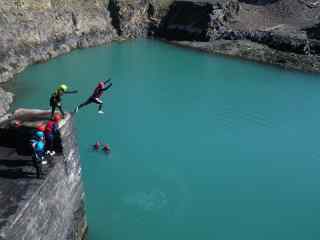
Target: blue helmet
(39,134)
(39,146)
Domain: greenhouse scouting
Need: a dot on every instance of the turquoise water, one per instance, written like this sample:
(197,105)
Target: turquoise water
(203,147)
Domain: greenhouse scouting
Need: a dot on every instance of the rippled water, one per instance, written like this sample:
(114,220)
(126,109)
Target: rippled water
(203,147)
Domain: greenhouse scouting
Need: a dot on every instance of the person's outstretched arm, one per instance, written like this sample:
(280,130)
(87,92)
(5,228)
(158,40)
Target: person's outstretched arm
(107,87)
(71,92)
(108,80)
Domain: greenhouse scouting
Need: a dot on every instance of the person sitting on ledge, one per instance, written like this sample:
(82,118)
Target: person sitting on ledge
(55,99)
(96,95)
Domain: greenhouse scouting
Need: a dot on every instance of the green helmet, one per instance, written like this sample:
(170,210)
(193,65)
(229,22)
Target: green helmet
(63,87)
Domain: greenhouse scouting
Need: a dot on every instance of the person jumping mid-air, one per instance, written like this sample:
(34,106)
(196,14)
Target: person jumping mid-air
(55,99)
(96,95)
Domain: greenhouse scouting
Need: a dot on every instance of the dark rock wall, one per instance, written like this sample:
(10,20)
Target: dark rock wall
(186,21)
(56,210)
(274,29)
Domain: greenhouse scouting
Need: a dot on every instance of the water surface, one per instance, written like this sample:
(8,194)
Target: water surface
(203,147)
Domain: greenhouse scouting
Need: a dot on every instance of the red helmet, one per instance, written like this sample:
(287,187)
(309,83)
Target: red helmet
(57,118)
(17,123)
(41,127)
(106,147)
(101,85)
(96,146)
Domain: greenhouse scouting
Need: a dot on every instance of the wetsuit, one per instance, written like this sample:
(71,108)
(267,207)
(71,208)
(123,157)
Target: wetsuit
(51,130)
(95,97)
(55,101)
(38,155)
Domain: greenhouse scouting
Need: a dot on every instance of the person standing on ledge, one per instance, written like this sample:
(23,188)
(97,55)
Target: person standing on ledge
(55,99)
(38,152)
(50,132)
(96,95)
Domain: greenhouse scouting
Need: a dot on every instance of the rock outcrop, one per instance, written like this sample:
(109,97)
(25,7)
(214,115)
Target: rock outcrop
(274,26)
(130,18)
(50,208)
(5,101)
(34,31)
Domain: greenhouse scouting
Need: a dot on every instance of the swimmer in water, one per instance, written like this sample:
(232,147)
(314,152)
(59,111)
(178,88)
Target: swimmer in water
(106,148)
(96,146)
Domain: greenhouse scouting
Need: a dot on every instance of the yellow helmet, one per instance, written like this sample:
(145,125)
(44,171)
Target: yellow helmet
(63,87)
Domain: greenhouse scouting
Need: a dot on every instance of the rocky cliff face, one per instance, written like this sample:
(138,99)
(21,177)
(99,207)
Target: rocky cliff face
(33,31)
(36,30)
(5,100)
(283,32)
(272,31)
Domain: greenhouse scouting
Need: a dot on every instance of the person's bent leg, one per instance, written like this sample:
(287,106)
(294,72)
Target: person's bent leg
(36,165)
(100,103)
(88,101)
(49,142)
(53,109)
(60,109)
(100,106)
(85,103)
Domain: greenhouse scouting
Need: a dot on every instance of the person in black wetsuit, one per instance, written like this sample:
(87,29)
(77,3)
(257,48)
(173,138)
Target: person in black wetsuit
(38,152)
(55,99)
(96,95)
